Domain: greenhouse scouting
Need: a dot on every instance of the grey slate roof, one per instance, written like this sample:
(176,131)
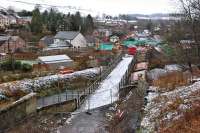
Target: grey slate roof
(47,40)
(68,35)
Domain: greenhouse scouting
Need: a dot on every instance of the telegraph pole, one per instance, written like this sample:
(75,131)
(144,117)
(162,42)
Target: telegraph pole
(10,53)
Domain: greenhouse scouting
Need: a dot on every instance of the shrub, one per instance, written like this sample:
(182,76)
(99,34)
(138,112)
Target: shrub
(26,67)
(171,81)
(7,65)
(18,65)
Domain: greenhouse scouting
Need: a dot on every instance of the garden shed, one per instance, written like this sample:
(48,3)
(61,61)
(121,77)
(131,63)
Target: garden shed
(106,46)
(56,61)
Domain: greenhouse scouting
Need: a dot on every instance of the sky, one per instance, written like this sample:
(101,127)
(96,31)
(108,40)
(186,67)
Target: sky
(97,7)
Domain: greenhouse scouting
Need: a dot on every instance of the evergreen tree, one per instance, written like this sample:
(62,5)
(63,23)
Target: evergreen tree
(89,24)
(36,23)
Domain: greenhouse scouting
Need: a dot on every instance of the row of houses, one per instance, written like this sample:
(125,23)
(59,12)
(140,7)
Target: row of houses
(62,40)
(8,19)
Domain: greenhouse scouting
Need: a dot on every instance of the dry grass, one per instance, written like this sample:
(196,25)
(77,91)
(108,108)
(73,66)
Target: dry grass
(188,120)
(188,123)
(172,80)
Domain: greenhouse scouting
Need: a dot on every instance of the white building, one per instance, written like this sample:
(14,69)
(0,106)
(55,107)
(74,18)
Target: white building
(4,21)
(70,39)
(56,61)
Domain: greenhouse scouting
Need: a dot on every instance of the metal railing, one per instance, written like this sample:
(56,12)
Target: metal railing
(125,79)
(80,94)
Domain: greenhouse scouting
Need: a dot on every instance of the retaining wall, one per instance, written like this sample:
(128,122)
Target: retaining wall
(64,107)
(17,111)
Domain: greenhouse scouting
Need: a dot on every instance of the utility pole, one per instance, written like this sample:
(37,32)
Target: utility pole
(10,53)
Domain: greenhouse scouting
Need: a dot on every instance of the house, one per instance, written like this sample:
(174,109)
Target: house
(4,21)
(56,62)
(114,39)
(24,20)
(12,19)
(46,41)
(11,42)
(70,39)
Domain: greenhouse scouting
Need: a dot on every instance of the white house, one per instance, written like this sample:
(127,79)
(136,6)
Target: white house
(4,21)
(70,39)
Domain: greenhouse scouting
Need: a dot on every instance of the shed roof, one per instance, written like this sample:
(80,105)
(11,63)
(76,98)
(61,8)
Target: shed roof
(69,35)
(55,59)
(106,46)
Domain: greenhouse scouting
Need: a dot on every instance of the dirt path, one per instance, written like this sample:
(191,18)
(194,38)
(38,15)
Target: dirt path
(92,122)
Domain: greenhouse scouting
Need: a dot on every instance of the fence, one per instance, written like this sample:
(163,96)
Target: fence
(125,79)
(79,94)
(70,51)
(4,58)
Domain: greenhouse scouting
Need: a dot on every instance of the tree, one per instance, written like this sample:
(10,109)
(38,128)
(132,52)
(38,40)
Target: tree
(88,25)
(67,22)
(25,13)
(77,20)
(191,11)
(149,25)
(36,22)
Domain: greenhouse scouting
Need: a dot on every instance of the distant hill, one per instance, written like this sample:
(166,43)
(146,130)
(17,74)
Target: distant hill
(155,16)
(151,15)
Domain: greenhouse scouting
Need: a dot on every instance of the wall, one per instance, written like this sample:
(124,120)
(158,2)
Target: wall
(68,106)
(17,111)
(79,41)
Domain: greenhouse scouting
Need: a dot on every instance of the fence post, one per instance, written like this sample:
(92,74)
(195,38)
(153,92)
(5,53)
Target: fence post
(43,102)
(111,95)
(88,104)
(78,100)
(66,94)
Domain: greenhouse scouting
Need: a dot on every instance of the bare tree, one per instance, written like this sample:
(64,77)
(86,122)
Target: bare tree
(191,12)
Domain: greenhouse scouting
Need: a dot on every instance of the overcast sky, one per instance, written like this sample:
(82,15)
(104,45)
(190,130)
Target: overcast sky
(112,7)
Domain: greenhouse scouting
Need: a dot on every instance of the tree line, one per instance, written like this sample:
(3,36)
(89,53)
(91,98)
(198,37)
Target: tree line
(52,21)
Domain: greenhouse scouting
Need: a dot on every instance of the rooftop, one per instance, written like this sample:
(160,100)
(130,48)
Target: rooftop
(69,35)
(54,58)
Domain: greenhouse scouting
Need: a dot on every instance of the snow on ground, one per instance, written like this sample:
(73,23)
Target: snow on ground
(30,85)
(158,106)
(108,90)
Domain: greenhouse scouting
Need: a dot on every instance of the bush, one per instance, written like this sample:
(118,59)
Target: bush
(7,65)
(26,67)
(18,65)
(172,80)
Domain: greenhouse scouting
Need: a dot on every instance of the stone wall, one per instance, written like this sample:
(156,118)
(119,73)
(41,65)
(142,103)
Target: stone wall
(17,111)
